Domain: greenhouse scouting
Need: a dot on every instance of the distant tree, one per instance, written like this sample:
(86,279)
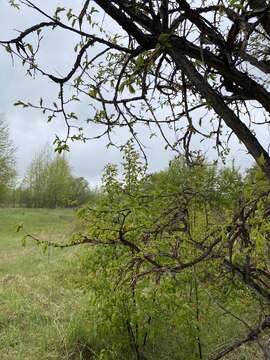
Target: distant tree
(79,191)
(49,183)
(58,178)
(33,187)
(217,186)
(7,162)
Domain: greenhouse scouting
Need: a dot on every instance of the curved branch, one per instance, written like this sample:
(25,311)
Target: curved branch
(215,100)
(251,336)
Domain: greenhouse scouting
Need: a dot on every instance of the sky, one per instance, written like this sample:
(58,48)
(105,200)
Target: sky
(28,128)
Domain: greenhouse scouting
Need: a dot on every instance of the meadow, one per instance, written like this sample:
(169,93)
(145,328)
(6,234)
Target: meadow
(37,303)
(64,304)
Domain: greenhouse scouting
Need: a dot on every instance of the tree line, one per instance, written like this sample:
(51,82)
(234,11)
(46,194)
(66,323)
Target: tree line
(47,183)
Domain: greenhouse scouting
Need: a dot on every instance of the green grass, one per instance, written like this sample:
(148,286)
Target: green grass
(43,311)
(37,305)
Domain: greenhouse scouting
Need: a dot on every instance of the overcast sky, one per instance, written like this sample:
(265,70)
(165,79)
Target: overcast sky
(29,129)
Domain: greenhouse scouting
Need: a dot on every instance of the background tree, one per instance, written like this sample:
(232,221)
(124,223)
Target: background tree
(49,183)
(79,192)
(7,162)
(33,188)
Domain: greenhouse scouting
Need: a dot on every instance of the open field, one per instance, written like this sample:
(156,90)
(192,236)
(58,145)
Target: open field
(37,305)
(43,311)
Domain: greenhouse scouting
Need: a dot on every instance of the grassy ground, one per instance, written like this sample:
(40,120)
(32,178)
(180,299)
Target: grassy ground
(37,306)
(42,312)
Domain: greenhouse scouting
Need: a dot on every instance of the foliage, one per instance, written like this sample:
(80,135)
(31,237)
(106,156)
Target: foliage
(172,269)
(159,280)
(7,161)
(49,183)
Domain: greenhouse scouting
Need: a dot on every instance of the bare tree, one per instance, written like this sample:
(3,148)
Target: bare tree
(175,54)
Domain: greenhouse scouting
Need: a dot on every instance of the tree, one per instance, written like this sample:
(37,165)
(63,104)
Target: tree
(179,266)
(7,161)
(206,65)
(211,57)
(49,183)
(58,179)
(166,238)
(79,191)
(33,187)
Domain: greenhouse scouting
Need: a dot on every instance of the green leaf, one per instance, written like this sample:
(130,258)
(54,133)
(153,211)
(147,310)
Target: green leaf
(131,89)
(20,103)
(58,10)
(93,92)
(30,47)
(14,4)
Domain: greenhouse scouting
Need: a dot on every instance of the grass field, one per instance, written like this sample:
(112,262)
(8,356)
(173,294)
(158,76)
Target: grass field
(37,305)
(43,311)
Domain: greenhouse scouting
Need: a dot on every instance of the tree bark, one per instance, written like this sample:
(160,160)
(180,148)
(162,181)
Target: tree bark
(215,100)
(264,19)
